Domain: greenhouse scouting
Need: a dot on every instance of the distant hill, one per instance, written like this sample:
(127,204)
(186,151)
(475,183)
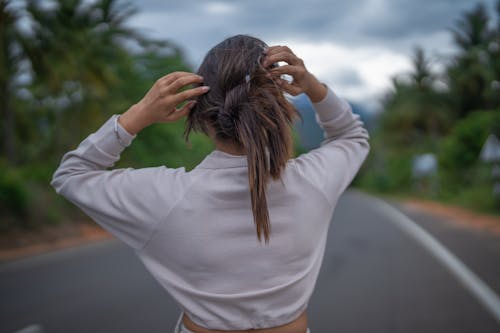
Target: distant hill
(310,133)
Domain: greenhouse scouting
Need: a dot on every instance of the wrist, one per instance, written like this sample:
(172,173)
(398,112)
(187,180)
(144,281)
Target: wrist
(133,120)
(316,90)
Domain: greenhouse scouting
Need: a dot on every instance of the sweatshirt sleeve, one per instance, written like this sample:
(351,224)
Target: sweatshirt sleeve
(332,166)
(129,203)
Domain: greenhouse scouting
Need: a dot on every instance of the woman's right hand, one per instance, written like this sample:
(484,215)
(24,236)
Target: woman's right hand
(303,80)
(159,105)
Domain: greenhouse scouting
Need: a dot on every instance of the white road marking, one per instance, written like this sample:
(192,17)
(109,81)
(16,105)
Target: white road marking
(473,283)
(33,328)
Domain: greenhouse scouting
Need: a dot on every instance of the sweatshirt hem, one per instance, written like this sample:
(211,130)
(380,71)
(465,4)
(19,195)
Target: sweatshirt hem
(246,324)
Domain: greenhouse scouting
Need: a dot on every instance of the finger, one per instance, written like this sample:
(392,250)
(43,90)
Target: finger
(287,57)
(272,49)
(169,78)
(278,48)
(186,107)
(181,112)
(177,113)
(182,81)
(189,93)
(290,87)
(287,69)
(173,116)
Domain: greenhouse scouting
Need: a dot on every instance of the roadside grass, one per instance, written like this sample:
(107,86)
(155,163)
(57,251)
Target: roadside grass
(477,199)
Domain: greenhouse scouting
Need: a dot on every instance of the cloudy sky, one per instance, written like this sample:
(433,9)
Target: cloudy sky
(353,45)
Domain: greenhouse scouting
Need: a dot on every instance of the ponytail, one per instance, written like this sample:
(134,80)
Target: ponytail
(249,111)
(265,135)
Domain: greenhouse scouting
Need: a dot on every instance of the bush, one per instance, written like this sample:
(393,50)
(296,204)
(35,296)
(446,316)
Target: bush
(459,152)
(14,197)
(386,172)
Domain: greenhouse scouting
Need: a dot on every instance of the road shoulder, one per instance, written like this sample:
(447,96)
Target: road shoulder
(473,237)
(18,244)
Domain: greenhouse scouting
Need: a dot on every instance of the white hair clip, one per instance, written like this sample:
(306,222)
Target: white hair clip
(247,78)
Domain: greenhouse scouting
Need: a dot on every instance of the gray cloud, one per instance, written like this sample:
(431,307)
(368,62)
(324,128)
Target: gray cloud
(403,18)
(351,22)
(394,25)
(348,77)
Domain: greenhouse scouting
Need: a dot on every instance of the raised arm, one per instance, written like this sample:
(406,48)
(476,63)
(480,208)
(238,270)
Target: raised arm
(129,203)
(332,166)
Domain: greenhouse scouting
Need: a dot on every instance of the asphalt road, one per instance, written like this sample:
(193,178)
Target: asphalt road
(375,278)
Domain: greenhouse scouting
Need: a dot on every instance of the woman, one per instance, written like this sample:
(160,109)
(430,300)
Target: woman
(238,241)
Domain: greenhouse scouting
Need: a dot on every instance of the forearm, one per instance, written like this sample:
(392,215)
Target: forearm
(334,115)
(332,166)
(315,90)
(99,151)
(134,120)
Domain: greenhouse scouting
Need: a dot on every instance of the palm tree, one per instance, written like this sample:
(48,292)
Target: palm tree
(75,56)
(415,113)
(76,51)
(9,59)
(421,76)
(470,72)
(472,29)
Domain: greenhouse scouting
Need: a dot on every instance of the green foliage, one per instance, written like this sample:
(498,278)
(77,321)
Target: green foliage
(431,112)
(475,66)
(297,145)
(414,111)
(14,196)
(163,144)
(81,73)
(385,170)
(459,152)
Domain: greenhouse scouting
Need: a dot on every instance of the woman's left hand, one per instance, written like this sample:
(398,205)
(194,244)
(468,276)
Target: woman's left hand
(159,105)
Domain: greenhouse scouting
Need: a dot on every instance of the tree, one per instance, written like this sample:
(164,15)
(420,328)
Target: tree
(78,69)
(74,50)
(470,72)
(78,57)
(9,59)
(415,113)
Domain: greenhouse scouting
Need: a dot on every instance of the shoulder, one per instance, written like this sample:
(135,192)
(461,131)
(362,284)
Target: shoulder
(163,177)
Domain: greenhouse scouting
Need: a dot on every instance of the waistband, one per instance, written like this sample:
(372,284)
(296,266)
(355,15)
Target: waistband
(180,328)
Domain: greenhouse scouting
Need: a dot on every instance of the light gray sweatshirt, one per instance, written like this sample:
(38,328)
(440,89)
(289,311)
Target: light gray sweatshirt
(194,231)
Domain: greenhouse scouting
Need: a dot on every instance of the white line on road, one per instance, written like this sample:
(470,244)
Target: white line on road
(483,293)
(34,328)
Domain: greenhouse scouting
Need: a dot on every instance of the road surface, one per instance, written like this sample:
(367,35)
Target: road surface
(376,277)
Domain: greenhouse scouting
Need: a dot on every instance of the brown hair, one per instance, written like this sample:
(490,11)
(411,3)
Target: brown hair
(247,109)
